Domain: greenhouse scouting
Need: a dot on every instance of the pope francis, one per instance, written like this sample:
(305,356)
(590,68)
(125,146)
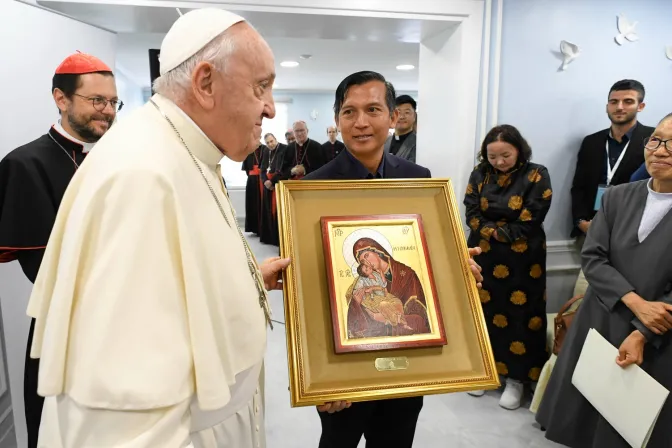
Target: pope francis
(150,308)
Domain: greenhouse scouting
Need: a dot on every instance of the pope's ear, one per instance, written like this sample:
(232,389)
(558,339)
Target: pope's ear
(203,84)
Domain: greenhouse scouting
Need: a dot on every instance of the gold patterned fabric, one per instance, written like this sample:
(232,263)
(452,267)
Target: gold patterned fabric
(514,205)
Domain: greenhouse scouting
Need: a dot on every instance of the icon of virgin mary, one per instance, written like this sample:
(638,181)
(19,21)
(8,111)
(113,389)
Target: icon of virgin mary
(400,283)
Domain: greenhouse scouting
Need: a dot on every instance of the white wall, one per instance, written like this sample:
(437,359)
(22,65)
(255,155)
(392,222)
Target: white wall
(32,44)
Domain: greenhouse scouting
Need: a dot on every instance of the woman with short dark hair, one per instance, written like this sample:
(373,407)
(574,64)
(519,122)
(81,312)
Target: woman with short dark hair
(507,200)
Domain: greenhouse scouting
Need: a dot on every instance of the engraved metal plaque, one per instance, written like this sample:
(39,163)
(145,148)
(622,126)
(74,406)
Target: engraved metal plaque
(398,363)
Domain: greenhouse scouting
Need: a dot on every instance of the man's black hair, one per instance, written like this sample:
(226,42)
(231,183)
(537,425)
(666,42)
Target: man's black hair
(629,84)
(406,99)
(359,78)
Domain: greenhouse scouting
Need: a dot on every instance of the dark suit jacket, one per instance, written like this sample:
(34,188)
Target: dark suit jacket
(407,150)
(590,167)
(331,151)
(343,167)
(313,159)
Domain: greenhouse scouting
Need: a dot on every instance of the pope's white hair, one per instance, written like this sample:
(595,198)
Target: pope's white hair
(176,83)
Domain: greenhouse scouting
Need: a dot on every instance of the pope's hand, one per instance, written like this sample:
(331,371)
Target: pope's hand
(475,268)
(271,270)
(334,406)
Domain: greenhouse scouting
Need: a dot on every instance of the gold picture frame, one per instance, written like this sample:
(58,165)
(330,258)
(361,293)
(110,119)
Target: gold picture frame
(317,373)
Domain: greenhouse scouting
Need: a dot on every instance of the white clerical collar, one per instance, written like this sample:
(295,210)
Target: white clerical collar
(86,147)
(192,122)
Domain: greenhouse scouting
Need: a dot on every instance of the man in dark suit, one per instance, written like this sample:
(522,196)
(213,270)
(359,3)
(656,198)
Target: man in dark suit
(608,157)
(364,112)
(623,142)
(402,143)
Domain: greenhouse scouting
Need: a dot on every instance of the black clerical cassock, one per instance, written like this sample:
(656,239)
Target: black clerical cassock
(271,166)
(253,189)
(33,180)
(331,150)
(309,156)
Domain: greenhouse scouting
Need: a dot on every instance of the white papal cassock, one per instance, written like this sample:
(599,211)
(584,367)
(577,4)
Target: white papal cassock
(149,326)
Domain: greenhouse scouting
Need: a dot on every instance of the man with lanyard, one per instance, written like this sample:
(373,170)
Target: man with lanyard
(364,112)
(33,179)
(608,157)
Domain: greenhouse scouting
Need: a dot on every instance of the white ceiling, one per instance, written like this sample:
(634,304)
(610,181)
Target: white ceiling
(331,61)
(339,45)
(153,19)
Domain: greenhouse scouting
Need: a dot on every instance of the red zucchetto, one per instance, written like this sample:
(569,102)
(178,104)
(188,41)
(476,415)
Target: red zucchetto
(80,64)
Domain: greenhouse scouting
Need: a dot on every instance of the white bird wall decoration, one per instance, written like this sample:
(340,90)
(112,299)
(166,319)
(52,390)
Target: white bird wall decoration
(668,52)
(569,52)
(626,29)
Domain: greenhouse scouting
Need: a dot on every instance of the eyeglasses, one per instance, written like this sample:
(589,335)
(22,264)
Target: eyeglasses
(653,143)
(100,103)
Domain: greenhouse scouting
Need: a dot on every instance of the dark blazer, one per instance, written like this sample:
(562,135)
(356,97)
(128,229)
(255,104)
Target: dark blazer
(343,167)
(407,150)
(590,167)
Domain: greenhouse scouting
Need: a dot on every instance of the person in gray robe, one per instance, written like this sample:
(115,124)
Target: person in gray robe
(627,260)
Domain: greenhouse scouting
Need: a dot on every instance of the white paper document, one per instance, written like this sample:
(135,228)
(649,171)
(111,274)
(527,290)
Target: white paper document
(629,399)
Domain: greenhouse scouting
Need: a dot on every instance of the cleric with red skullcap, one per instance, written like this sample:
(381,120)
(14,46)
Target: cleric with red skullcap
(34,177)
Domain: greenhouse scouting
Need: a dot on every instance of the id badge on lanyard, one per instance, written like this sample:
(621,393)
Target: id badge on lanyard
(610,174)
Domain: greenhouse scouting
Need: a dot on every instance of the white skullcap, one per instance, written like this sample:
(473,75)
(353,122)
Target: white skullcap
(191,33)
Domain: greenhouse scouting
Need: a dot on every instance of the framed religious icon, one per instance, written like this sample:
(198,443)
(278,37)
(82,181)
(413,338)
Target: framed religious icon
(379,298)
(381,285)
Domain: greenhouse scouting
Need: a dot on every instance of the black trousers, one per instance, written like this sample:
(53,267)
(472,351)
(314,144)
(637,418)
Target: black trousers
(383,423)
(33,403)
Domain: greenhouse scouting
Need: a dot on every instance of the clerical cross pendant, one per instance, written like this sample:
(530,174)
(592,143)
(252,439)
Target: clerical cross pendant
(263,298)
(263,302)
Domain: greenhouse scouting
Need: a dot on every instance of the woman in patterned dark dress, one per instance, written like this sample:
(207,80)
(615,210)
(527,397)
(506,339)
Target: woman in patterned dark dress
(507,200)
